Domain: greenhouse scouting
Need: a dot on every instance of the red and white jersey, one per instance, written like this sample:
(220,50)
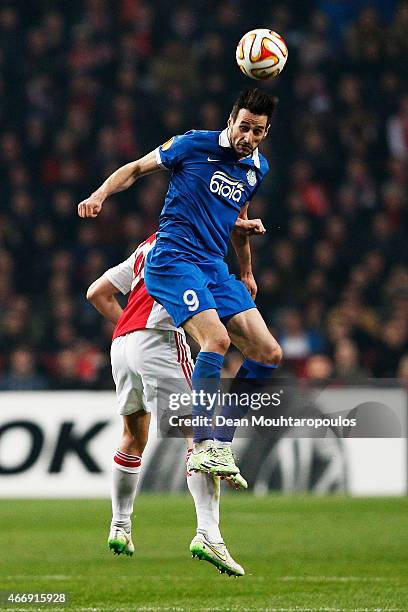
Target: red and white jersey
(142,311)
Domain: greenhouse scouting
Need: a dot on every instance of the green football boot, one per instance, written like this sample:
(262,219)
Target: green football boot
(207,457)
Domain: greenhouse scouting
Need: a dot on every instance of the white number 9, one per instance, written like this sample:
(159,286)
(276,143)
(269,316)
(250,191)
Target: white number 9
(191,300)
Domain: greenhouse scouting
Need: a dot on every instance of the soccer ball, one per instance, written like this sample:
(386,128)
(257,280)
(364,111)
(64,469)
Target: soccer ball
(261,54)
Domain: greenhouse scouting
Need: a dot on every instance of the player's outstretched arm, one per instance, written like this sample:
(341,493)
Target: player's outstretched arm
(121,179)
(101,294)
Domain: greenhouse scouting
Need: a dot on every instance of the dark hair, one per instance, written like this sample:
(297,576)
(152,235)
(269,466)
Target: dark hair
(256,101)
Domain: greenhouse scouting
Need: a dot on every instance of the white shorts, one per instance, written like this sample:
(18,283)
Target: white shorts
(145,359)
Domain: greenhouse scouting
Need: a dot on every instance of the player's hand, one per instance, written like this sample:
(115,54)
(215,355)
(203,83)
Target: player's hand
(91,207)
(249,282)
(249,227)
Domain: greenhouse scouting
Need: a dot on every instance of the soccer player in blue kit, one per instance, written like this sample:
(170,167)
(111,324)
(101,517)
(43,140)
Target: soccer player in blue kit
(214,175)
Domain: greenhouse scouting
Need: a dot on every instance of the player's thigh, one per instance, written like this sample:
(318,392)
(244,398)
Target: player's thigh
(128,381)
(178,284)
(250,334)
(166,367)
(207,329)
(178,385)
(230,295)
(167,371)
(164,353)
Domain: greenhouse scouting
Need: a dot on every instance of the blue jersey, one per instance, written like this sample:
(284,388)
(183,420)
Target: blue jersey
(207,189)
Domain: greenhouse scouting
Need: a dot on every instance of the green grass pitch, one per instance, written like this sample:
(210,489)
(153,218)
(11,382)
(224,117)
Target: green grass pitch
(300,554)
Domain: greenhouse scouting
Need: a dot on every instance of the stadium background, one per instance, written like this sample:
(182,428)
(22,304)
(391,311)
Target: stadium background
(86,86)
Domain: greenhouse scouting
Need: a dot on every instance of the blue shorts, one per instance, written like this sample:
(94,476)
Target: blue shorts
(186,284)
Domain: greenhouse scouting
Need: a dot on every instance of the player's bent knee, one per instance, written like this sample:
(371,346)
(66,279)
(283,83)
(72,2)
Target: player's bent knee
(277,355)
(272,354)
(217,344)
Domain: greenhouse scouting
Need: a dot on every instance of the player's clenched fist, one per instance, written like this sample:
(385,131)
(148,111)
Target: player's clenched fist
(90,207)
(249,227)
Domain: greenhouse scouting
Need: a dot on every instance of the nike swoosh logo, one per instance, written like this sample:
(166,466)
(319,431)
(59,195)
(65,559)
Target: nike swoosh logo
(211,159)
(222,556)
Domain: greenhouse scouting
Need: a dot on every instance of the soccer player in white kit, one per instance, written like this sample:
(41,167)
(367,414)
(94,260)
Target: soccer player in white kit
(148,347)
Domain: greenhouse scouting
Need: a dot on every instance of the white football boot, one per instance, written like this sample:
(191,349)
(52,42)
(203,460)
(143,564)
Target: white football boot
(120,541)
(215,553)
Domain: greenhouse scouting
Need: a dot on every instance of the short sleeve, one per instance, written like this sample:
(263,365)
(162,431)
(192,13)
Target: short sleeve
(174,151)
(121,276)
(261,173)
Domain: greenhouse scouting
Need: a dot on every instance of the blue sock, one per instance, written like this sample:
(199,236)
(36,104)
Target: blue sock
(255,369)
(250,369)
(206,378)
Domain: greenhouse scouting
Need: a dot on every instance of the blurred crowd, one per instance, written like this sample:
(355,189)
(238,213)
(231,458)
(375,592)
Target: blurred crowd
(87,86)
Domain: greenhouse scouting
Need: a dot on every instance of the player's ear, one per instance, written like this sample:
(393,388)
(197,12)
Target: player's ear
(230,121)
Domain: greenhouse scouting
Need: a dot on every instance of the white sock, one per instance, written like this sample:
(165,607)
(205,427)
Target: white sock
(205,490)
(202,445)
(125,477)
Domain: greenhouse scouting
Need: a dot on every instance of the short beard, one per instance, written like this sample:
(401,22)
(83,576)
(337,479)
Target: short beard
(238,153)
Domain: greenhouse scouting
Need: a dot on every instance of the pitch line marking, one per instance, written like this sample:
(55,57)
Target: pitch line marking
(297,609)
(338,579)
(56,577)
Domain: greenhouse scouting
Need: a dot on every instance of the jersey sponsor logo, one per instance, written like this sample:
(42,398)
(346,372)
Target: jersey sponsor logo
(226,186)
(251,177)
(167,144)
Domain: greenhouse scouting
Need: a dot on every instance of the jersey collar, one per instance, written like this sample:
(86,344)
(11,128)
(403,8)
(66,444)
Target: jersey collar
(223,141)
